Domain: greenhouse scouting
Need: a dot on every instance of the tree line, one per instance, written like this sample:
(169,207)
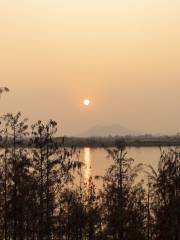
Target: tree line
(131,141)
(43,195)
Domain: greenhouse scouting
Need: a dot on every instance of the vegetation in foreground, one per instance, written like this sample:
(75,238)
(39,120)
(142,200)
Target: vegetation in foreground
(40,199)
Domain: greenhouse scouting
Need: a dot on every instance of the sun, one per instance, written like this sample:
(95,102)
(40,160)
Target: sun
(86,102)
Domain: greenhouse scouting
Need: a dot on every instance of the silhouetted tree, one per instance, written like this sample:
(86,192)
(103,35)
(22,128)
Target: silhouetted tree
(3,89)
(16,130)
(122,200)
(165,185)
(54,167)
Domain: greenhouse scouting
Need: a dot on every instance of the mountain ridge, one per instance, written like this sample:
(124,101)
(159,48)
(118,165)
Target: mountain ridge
(108,130)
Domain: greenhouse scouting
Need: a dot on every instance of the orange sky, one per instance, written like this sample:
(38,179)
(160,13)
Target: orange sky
(124,55)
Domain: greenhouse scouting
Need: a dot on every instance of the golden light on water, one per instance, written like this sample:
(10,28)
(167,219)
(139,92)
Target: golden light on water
(87,162)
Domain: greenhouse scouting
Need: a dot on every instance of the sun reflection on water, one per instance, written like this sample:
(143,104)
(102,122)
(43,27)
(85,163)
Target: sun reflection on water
(87,162)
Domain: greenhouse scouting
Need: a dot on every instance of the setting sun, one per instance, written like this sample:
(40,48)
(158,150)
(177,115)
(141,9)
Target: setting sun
(86,102)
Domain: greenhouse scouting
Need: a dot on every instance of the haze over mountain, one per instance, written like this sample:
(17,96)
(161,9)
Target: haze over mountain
(112,130)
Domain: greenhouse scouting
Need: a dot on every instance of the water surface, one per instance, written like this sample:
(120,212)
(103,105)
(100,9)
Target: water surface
(96,160)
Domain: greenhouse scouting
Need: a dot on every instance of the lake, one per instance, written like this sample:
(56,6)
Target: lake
(96,161)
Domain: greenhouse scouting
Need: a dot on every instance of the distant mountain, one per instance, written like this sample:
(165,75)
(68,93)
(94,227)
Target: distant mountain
(104,131)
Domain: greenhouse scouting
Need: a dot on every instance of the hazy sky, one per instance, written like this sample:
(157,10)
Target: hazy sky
(123,55)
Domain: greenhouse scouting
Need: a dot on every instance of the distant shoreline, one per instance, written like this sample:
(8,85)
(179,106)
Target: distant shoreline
(130,141)
(106,142)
